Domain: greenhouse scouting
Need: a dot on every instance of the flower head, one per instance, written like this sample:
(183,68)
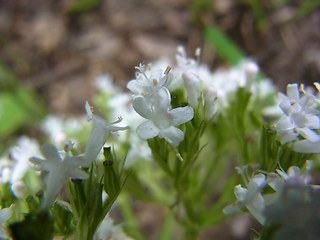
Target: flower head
(250,197)
(162,120)
(59,170)
(99,132)
(299,116)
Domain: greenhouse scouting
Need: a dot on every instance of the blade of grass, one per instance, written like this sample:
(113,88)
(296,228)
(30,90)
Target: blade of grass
(225,48)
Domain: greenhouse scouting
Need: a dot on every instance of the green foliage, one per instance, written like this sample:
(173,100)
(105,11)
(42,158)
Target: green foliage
(19,106)
(307,7)
(80,6)
(223,45)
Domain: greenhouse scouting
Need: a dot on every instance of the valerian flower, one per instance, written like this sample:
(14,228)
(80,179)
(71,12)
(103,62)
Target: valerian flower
(250,197)
(148,82)
(59,170)
(294,177)
(99,132)
(162,121)
(210,97)
(300,116)
(26,148)
(192,83)
(5,214)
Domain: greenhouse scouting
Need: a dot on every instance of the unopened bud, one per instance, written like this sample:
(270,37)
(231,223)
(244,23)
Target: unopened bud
(18,188)
(252,70)
(192,84)
(210,97)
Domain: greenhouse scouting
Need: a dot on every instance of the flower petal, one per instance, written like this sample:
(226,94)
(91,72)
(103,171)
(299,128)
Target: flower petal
(51,153)
(309,134)
(313,122)
(293,91)
(141,106)
(134,86)
(97,139)
(147,130)
(181,115)
(173,135)
(306,146)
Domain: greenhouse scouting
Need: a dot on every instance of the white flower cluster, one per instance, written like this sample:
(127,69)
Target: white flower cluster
(255,202)
(300,119)
(152,100)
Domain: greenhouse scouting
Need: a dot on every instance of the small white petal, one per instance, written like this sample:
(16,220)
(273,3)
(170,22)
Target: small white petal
(142,107)
(134,86)
(309,134)
(192,84)
(259,179)
(294,171)
(173,135)
(313,122)
(97,139)
(89,111)
(306,146)
(286,107)
(240,193)
(50,152)
(5,214)
(293,91)
(147,130)
(275,181)
(284,124)
(163,99)
(181,115)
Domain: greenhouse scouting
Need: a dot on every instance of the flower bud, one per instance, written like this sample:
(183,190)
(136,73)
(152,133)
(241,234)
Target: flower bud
(192,84)
(210,97)
(18,188)
(251,71)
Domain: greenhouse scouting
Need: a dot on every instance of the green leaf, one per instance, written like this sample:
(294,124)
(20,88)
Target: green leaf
(307,7)
(111,175)
(84,5)
(224,46)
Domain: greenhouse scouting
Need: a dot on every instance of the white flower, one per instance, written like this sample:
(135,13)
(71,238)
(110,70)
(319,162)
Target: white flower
(251,71)
(250,197)
(299,116)
(183,64)
(59,170)
(192,83)
(294,176)
(162,120)
(97,138)
(26,148)
(306,146)
(5,214)
(109,230)
(210,101)
(148,82)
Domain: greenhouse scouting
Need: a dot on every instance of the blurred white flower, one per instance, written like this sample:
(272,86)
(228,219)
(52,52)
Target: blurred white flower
(148,82)
(109,230)
(294,177)
(97,138)
(59,170)
(299,116)
(25,148)
(250,197)
(210,101)
(192,84)
(5,214)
